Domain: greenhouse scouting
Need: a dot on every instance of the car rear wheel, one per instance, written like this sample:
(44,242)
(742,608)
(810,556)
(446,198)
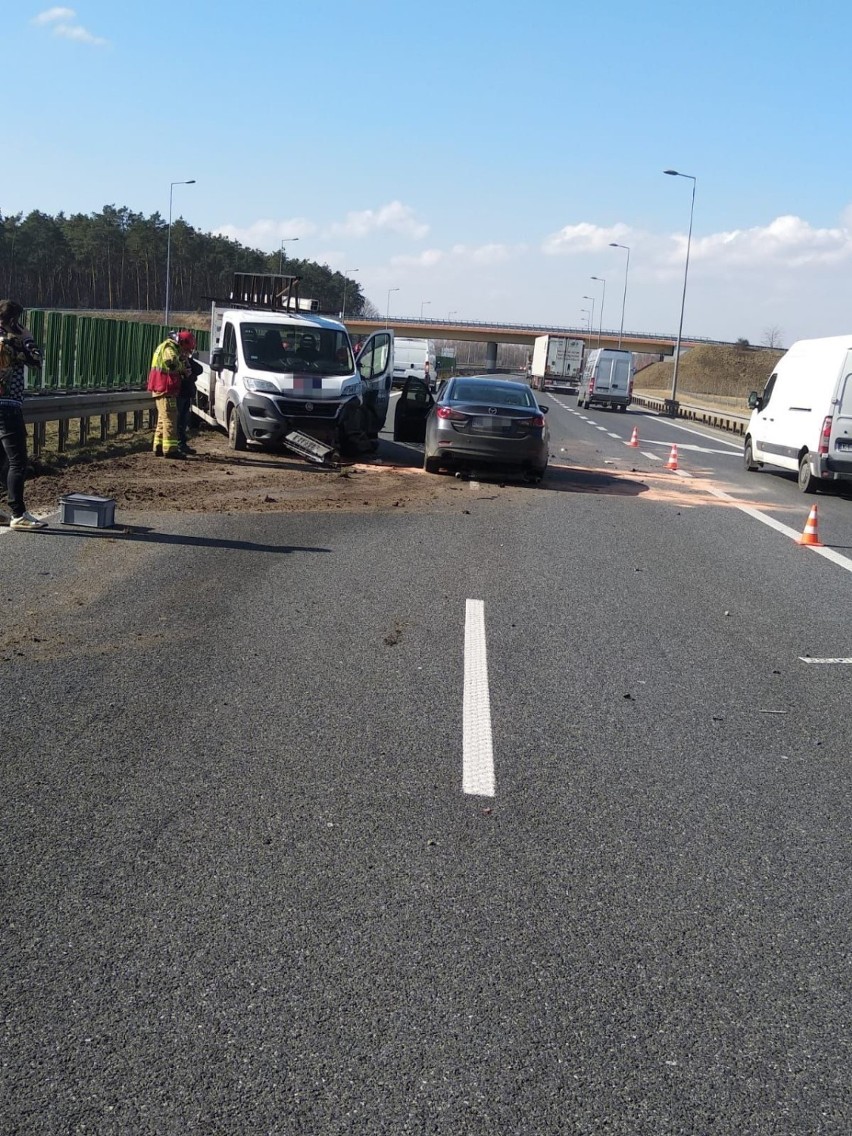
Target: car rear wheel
(807,482)
(748,457)
(431,465)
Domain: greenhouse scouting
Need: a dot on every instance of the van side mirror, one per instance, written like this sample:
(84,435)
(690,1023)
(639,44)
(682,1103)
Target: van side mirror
(216,359)
(755,402)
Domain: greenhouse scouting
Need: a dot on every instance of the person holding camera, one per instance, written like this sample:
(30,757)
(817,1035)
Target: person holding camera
(17,351)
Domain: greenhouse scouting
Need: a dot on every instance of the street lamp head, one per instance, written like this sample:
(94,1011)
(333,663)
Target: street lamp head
(600,279)
(671,173)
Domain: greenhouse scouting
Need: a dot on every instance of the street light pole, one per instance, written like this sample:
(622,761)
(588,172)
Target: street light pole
(169,245)
(387,312)
(345,281)
(423,304)
(612,244)
(285,241)
(592,320)
(601,280)
(454,312)
(675,173)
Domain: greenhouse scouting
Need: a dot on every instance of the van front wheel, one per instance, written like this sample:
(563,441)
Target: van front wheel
(748,458)
(807,482)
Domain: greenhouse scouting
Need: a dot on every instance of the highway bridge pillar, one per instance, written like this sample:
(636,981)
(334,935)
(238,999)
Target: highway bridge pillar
(491,358)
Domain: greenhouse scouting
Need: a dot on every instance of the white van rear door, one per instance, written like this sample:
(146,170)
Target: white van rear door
(841,427)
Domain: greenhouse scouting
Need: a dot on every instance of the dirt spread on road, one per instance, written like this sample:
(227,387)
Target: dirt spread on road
(218,480)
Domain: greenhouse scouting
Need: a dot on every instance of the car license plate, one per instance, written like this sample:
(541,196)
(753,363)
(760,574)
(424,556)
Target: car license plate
(492,425)
(843,444)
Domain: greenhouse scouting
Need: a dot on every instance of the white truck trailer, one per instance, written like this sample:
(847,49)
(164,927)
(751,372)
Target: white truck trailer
(281,373)
(556,359)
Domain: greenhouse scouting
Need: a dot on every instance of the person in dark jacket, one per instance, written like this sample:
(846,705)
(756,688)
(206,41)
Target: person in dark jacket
(191,370)
(17,351)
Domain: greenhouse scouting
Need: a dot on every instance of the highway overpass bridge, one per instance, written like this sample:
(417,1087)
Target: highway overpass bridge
(525,334)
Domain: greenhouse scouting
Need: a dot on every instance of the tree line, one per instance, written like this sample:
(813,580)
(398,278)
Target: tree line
(116,260)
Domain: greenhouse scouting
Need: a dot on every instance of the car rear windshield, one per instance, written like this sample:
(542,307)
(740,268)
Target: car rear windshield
(492,394)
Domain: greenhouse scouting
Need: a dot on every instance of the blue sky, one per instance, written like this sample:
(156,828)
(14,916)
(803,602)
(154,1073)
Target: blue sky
(477,157)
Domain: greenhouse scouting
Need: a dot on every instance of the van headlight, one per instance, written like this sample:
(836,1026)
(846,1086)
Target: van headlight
(261,386)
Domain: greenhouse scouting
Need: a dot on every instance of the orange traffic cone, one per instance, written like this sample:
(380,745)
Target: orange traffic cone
(810,535)
(672,462)
(634,439)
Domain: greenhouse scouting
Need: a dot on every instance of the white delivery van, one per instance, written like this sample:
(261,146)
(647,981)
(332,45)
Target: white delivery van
(803,419)
(413,359)
(607,379)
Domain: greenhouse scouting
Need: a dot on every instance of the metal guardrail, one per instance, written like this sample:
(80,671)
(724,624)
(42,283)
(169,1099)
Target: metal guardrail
(721,419)
(39,409)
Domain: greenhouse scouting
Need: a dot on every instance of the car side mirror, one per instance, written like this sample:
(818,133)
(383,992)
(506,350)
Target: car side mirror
(755,402)
(217,357)
(543,409)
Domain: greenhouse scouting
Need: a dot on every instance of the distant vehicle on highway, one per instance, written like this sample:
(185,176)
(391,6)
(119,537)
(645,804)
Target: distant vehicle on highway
(556,359)
(803,419)
(607,379)
(413,359)
(478,421)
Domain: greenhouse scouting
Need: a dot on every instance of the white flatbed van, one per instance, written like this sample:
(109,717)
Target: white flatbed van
(803,419)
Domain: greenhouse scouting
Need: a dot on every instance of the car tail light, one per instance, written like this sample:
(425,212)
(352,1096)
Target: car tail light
(537,421)
(453,415)
(825,437)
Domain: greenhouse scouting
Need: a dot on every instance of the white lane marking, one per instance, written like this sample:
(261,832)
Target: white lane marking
(602,428)
(698,433)
(764,518)
(478,753)
(807,659)
(651,457)
(610,433)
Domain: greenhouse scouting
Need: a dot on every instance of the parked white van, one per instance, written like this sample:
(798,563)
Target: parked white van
(607,379)
(413,359)
(803,419)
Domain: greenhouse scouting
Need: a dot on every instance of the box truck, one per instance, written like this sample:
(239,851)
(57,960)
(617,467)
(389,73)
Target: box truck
(802,421)
(556,359)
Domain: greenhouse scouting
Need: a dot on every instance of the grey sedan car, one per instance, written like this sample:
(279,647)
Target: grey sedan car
(478,421)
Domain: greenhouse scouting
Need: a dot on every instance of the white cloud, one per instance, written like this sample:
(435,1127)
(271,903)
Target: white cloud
(268,234)
(52,14)
(428,258)
(58,19)
(787,241)
(583,238)
(485,255)
(393,217)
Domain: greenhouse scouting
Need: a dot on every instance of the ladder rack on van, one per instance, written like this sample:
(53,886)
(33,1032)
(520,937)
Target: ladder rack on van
(268,292)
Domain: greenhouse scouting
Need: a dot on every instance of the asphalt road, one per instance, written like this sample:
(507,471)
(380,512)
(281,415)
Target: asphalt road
(245,891)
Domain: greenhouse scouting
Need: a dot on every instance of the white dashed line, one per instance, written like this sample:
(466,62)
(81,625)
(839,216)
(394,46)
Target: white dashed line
(785,530)
(807,659)
(478,753)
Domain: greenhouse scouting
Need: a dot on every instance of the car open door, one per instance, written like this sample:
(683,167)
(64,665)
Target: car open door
(412,410)
(375,366)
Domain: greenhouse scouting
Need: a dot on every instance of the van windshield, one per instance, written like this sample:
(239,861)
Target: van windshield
(284,349)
